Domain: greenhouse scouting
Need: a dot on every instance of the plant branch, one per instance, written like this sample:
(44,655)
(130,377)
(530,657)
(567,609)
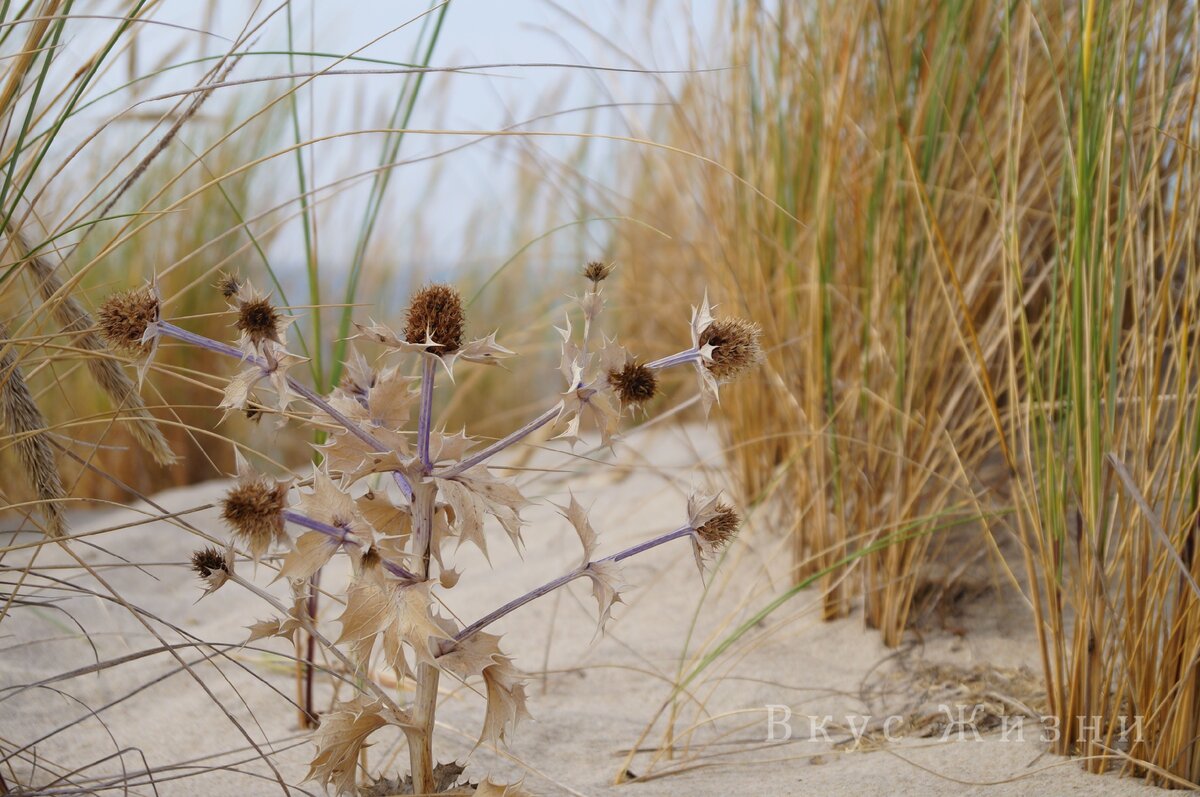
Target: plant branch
(679,358)
(501,444)
(566,578)
(425,419)
(342,536)
(305,392)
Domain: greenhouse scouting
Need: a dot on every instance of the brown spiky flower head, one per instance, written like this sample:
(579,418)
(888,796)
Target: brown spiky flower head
(735,347)
(436,313)
(714,523)
(213,566)
(597,271)
(258,321)
(254,509)
(128,319)
(634,383)
(722,527)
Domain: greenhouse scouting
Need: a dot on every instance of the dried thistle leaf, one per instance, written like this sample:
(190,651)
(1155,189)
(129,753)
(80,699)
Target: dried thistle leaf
(485,351)
(275,627)
(449,447)
(479,655)
(505,701)
(388,520)
(577,516)
(476,493)
(490,788)
(391,399)
(382,333)
(310,552)
(399,611)
(348,455)
(330,504)
(343,735)
(606,588)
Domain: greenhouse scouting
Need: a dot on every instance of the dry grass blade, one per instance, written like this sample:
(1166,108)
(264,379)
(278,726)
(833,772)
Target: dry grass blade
(24,424)
(104,368)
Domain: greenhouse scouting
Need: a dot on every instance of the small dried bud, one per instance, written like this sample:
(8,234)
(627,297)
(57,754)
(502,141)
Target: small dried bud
(634,383)
(370,559)
(596,271)
(207,561)
(125,316)
(736,347)
(436,311)
(721,528)
(254,509)
(228,284)
(254,411)
(259,321)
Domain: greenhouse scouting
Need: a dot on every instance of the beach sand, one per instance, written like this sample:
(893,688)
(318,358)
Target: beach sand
(85,730)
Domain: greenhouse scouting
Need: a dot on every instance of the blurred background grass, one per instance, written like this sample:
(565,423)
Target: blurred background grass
(967,228)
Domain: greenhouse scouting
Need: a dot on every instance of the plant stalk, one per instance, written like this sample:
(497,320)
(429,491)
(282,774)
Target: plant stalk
(566,578)
(425,419)
(500,445)
(420,742)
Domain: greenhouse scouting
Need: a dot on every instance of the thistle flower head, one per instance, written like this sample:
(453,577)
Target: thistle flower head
(596,271)
(213,566)
(714,524)
(735,347)
(436,313)
(721,527)
(127,318)
(634,383)
(228,284)
(259,321)
(254,508)
(207,561)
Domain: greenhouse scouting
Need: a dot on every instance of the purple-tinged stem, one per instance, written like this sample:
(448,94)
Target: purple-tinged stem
(425,419)
(679,358)
(342,537)
(566,578)
(170,330)
(501,444)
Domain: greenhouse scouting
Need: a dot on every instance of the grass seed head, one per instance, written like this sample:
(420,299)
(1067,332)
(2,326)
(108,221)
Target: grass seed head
(255,511)
(721,528)
(736,347)
(634,383)
(436,311)
(596,271)
(124,317)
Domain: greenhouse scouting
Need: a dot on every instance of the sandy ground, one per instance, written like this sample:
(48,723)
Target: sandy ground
(591,699)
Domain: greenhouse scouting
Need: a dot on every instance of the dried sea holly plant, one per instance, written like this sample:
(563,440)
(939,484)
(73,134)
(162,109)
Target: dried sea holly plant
(397,504)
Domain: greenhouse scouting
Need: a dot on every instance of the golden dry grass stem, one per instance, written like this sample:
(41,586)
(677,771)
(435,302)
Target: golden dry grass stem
(990,300)
(867,413)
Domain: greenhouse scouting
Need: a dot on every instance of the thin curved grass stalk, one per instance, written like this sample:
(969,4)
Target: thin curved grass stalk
(24,422)
(105,369)
(400,546)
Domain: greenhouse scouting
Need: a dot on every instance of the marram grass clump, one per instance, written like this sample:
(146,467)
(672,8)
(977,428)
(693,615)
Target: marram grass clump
(396,496)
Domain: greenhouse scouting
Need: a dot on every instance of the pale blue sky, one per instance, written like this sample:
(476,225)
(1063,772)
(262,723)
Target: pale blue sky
(430,219)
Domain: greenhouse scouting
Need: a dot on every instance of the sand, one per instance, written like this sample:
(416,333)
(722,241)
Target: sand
(591,697)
